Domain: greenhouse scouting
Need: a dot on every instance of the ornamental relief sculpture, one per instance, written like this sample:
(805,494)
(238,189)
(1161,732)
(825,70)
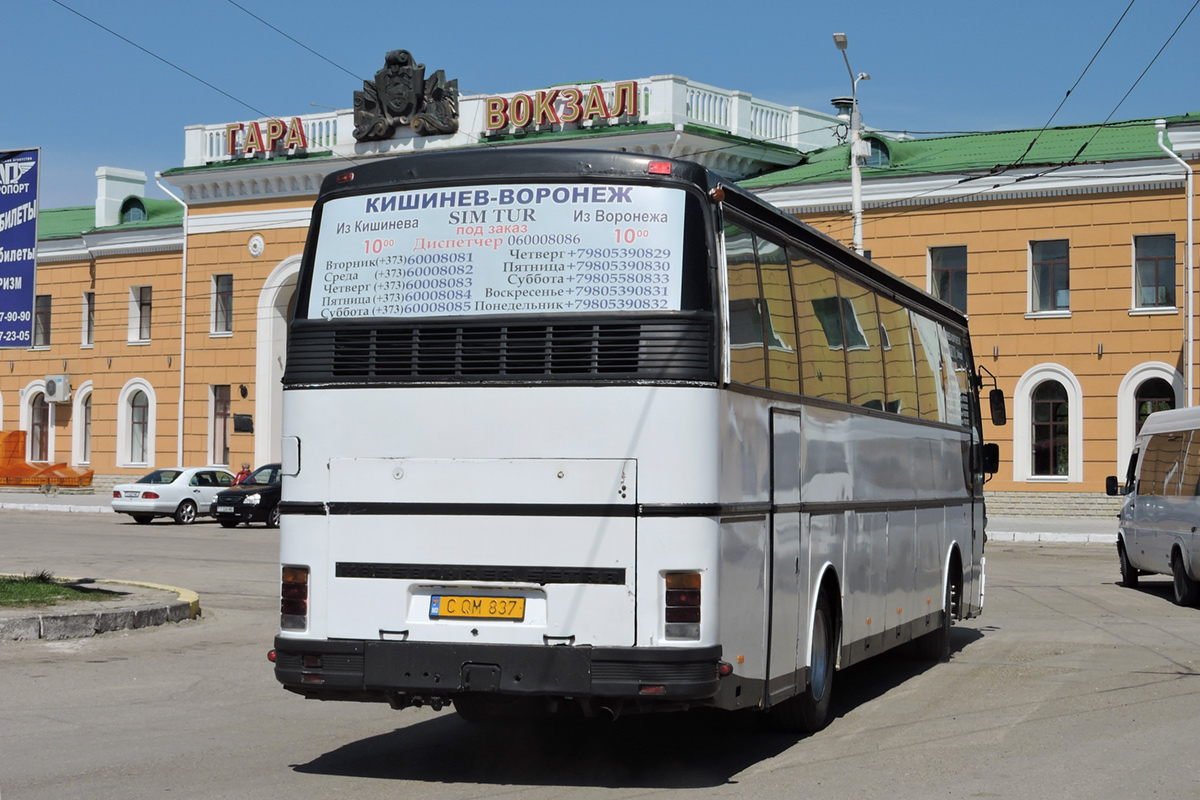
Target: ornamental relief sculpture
(401,96)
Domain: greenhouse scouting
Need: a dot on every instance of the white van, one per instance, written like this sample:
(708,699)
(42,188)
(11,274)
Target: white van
(1162,508)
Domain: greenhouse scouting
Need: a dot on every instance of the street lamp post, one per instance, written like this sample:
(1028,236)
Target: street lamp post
(858,148)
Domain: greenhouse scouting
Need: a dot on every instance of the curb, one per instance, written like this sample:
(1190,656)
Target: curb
(82,624)
(1058,537)
(56,507)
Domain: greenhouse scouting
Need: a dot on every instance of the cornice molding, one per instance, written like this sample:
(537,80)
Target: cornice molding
(978,187)
(96,244)
(298,217)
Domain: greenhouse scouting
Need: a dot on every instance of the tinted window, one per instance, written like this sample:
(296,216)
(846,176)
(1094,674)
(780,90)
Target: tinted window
(928,359)
(161,476)
(895,333)
(746,356)
(818,312)
(264,476)
(780,322)
(864,358)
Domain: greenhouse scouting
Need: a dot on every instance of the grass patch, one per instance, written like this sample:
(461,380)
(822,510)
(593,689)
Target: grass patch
(43,589)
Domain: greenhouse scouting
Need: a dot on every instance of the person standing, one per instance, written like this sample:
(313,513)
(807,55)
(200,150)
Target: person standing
(243,473)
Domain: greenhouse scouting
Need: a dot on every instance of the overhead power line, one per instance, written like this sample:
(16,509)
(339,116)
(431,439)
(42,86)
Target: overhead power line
(160,58)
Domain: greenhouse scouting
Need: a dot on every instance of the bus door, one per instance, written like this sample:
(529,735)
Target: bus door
(787,583)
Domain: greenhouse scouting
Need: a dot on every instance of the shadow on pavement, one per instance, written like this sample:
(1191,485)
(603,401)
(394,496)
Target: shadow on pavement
(687,750)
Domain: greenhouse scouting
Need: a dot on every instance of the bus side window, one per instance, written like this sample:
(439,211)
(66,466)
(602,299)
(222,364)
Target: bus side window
(818,312)
(898,367)
(746,352)
(864,356)
(957,372)
(929,367)
(782,364)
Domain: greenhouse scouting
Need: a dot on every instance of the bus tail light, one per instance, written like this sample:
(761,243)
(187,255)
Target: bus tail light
(682,607)
(659,168)
(293,599)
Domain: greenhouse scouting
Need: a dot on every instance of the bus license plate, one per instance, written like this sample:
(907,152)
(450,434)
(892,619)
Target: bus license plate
(455,606)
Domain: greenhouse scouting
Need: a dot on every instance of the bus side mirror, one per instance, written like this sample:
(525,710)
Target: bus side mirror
(991,458)
(1111,487)
(999,412)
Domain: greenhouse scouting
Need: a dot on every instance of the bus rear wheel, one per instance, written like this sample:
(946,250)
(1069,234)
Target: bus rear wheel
(808,711)
(935,646)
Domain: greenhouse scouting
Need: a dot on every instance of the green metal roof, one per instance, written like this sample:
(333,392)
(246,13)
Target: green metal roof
(976,152)
(73,221)
(65,223)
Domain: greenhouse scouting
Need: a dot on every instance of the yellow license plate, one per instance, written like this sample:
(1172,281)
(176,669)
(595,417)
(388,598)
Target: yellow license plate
(456,606)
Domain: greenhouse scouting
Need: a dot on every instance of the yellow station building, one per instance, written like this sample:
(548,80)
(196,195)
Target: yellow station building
(160,325)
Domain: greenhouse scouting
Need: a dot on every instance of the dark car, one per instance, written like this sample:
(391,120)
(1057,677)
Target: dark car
(255,499)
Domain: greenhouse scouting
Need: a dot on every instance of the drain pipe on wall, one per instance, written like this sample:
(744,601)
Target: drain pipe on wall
(182,320)
(1161,126)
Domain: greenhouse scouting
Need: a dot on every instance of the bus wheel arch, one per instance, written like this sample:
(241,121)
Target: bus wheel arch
(935,645)
(955,580)
(807,711)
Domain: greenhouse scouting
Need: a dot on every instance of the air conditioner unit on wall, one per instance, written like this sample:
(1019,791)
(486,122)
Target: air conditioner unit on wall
(58,388)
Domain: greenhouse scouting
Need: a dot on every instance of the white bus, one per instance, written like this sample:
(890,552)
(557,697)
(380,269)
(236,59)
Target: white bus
(571,431)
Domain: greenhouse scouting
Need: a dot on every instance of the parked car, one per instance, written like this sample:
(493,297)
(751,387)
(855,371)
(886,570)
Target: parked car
(1157,530)
(180,493)
(256,499)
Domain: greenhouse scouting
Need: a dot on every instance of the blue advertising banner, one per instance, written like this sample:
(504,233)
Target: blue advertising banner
(18,245)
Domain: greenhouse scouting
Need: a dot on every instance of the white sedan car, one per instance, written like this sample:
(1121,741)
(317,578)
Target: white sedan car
(177,493)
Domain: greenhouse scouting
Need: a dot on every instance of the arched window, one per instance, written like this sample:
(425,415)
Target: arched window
(137,411)
(86,454)
(1051,429)
(39,428)
(1047,430)
(139,427)
(132,210)
(879,154)
(1155,394)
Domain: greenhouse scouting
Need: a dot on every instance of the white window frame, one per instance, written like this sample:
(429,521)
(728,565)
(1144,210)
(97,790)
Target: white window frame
(213,455)
(1135,308)
(26,420)
(1127,404)
(79,457)
(125,424)
(1031,281)
(84,344)
(1023,424)
(33,342)
(929,287)
(214,294)
(134,332)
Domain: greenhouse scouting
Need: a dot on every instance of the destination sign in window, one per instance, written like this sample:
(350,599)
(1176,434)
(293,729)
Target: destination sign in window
(512,249)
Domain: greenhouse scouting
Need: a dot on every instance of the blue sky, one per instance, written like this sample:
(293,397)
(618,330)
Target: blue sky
(89,99)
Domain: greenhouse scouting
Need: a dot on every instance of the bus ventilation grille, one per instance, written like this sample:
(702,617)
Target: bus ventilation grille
(678,348)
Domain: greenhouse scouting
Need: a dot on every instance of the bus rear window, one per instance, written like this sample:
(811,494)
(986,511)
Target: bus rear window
(530,248)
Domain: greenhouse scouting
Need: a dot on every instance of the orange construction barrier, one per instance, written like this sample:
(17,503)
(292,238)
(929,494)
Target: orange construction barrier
(16,471)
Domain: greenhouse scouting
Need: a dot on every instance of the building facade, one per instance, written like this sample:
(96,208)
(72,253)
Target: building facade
(167,318)
(1071,259)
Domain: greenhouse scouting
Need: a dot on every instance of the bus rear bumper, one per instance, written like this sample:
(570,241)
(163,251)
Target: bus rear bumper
(397,672)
